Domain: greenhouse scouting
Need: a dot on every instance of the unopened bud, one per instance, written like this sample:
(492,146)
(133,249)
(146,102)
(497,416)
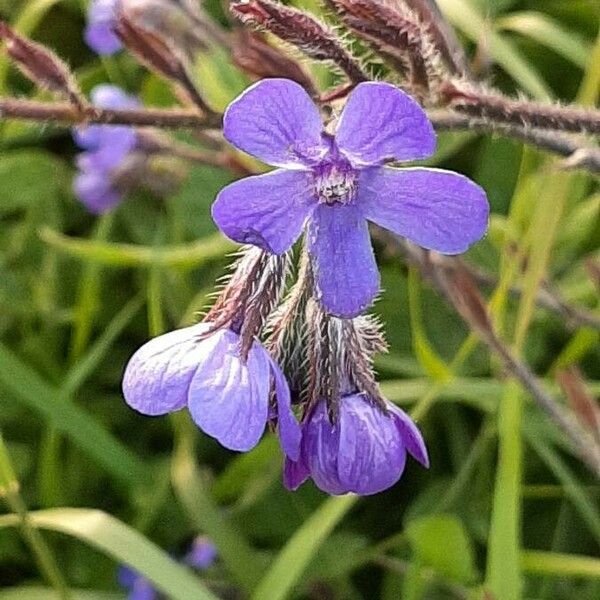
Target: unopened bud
(300,30)
(177,22)
(153,51)
(41,65)
(441,33)
(398,35)
(252,53)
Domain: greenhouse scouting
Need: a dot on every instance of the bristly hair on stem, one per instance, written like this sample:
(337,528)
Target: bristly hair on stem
(472,100)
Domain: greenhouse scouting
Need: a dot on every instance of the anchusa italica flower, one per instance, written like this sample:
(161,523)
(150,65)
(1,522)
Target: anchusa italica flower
(260,358)
(362,451)
(333,183)
(217,369)
(100,33)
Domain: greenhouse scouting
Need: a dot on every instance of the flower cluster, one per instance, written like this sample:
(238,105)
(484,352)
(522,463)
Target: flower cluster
(315,357)
(106,147)
(201,555)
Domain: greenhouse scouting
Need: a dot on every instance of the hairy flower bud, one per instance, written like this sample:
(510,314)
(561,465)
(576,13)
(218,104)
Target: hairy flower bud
(41,65)
(398,35)
(180,22)
(252,53)
(160,56)
(300,30)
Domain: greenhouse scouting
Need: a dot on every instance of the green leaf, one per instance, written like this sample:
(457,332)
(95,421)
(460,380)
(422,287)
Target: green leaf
(193,493)
(428,358)
(283,575)
(574,490)
(31,592)
(249,473)
(560,565)
(184,256)
(100,348)
(30,177)
(220,81)
(340,554)
(503,568)
(442,543)
(466,18)
(548,32)
(124,544)
(57,410)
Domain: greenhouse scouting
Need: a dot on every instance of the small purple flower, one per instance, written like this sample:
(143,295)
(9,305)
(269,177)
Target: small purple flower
(336,183)
(138,587)
(106,148)
(100,33)
(364,452)
(202,554)
(227,397)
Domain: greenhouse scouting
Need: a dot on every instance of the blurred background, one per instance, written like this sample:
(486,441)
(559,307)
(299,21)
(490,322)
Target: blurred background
(79,293)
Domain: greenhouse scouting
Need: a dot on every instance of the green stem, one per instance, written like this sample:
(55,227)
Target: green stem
(9,489)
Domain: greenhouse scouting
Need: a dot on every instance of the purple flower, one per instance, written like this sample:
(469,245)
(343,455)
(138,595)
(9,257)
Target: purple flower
(363,453)
(138,586)
(335,183)
(202,554)
(227,397)
(100,31)
(106,148)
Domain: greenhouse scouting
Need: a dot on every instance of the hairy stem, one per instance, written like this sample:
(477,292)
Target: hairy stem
(11,108)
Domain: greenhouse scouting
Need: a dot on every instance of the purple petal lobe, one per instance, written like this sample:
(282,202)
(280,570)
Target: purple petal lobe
(381,122)
(411,436)
(320,450)
(113,97)
(371,452)
(276,121)
(99,34)
(102,39)
(229,400)
(95,191)
(344,265)
(438,210)
(294,474)
(202,554)
(289,430)
(267,210)
(158,375)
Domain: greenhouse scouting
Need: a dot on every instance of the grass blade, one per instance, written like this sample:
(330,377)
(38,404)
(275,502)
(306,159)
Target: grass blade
(292,561)
(546,31)
(184,256)
(124,544)
(560,565)
(57,410)
(466,18)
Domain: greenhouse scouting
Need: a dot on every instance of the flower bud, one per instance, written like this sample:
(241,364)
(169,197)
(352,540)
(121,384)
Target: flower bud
(41,65)
(300,30)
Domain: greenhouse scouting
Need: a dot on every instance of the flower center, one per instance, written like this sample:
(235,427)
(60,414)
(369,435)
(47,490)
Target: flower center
(335,181)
